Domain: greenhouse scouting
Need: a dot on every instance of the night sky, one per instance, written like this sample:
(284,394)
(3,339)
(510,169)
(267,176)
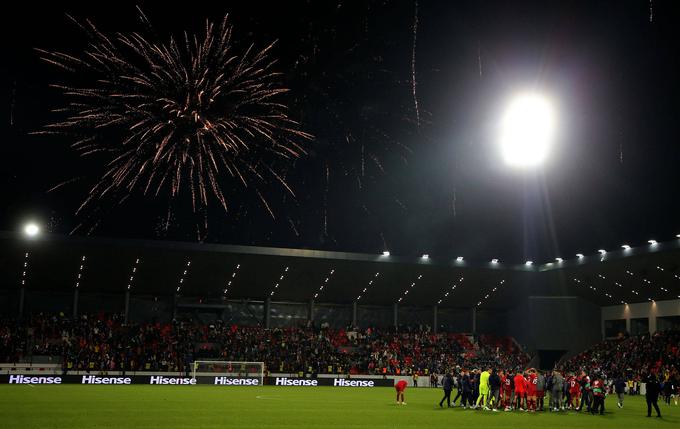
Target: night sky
(374,179)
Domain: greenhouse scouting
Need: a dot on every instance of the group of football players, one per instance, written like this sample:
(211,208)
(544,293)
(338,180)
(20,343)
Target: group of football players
(497,390)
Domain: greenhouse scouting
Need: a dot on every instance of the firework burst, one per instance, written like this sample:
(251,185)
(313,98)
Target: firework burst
(168,117)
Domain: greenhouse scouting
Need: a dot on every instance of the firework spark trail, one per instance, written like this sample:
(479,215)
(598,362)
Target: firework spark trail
(325,200)
(12,103)
(181,114)
(413,63)
(479,58)
(292,226)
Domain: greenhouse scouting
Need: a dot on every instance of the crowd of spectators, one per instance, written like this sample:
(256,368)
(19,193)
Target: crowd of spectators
(631,357)
(101,343)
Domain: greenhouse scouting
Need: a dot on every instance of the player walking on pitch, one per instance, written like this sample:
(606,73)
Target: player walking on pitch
(484,389)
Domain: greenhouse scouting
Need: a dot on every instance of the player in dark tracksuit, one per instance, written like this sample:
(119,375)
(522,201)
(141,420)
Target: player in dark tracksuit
(474,382)
(459,388)
(466,386)
(652,394)
(447,384)
(620,389)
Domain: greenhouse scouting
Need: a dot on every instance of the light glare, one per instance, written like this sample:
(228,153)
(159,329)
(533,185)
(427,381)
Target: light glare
(527,131)
(31,229)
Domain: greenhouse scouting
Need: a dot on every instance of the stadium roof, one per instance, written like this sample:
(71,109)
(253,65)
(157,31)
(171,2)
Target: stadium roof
(159,268)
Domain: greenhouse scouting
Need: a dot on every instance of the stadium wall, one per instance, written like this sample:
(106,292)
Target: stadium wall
(565,324)
(642,318)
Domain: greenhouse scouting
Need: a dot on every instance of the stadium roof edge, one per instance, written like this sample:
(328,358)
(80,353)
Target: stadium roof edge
(656,247)
(266,251)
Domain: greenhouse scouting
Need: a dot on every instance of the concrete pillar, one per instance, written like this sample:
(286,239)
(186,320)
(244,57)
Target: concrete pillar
(354,314)
(127,305)
(267,312)
(628,325)
(22,298)
(396,315)
(310,311)
(474,320)
(75,302)
(434,319)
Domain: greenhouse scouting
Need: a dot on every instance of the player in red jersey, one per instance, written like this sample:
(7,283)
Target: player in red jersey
(400,387)
(520,390)
(574,392)
(532,380)
(508,390)
(504,399)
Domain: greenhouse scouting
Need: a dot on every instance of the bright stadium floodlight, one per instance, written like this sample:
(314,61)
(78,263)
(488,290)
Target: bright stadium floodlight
(602,251)
(580,255)
(459,259)
(625,247)
(559,260)
(31,229)
(652,242)
(426,256)
(494,261)
(386,253)
(527,130)
(529,263)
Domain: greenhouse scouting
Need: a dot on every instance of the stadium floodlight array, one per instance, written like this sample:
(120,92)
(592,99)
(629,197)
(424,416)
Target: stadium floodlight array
(453,287)
(184,273)
(486,297)
(278,282)
(413,284)
(24,273)
(325,283)
(79,276)
(370,283)
(132,274)
(231,279)
(228,370)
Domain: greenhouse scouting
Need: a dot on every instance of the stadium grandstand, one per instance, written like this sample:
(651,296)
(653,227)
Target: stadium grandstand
(377,314)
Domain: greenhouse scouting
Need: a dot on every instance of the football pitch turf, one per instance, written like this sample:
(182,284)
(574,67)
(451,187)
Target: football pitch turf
(74,406)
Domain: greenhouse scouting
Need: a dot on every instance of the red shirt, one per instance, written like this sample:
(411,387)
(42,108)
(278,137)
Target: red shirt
(531,383)
(401,385)
(520,383)
(574,385)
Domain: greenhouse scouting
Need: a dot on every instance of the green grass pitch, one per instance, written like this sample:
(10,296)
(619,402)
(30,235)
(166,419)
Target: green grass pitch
(75,406)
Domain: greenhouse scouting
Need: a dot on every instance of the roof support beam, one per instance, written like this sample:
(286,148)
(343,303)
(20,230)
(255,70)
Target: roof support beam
(76,298)
(474,320)
(310,311)
(22,298)
(434,319)
(267,313)
(127,305)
